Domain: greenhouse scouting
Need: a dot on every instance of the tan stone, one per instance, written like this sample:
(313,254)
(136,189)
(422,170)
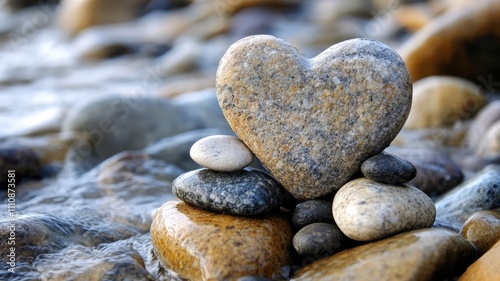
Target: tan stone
(486,268)
(420,255)
(488,116)
(460,42)
(482,229)
(490,143)
(202,245)
(313,122)
(440,101)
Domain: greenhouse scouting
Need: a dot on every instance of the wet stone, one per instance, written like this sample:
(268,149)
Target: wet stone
(318,240)
(312,211)
(387,168)
(482,229)
(485,268)
(268,91)
(23,161)
(246,192)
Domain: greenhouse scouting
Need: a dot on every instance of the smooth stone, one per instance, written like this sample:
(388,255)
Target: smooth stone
(488,116)
(269,91)
(425,254)
(318,240)
(468,35)
(221,153)
(490,143)
(246,192)
(366,210)
(482,229)
(481,192)
(387,168)
(312,211)
(253,278)
(200,245)
(441,101)
(23,161)
(485,268)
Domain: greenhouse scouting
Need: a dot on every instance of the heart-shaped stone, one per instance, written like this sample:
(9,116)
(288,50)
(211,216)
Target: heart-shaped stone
(312,122)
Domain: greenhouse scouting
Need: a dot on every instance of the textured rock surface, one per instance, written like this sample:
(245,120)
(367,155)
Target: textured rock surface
(387,168)
(201,245)
(221,153)
(366,210)
(485,268)
(313,122)
(482,192)
(312,211)
(246,192)
(440,101)
(482,229)
(318,240)
(426,254)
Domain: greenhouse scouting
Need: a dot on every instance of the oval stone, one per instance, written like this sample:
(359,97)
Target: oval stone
(387,168)
(318,240)
(312,211)
(221,153)
(482,229)
(366,210)
(246,192)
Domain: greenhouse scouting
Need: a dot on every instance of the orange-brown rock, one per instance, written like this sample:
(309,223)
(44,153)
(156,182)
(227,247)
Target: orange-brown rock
(485,268)
(482,229)
(460,42)
(202,245)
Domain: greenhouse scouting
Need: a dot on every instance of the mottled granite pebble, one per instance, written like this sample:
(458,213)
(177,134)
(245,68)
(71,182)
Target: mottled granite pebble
(202,245)
(425,254)
(221,153)
(312,122)
(246,192)
(312,211)
(387,168)
(481,192)
(366,210)
(485,268)
(482,229)
(318,240)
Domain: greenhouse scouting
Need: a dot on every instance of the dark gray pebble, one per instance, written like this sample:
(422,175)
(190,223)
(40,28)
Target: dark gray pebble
(387,168)
(318,240)
(312,211)
(22,160)
(246,192)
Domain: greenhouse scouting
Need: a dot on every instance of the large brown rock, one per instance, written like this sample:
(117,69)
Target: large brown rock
(485,268)
(202,245)
(312,122)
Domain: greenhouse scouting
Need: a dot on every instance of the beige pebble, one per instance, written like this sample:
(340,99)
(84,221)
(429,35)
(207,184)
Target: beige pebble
(221,153)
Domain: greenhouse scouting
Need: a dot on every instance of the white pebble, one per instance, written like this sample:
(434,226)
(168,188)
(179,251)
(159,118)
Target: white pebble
(221,153)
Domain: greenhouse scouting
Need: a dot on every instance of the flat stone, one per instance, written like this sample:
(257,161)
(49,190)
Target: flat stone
(481,192)
(318,240)
(387,168)
(201,245)
(482,229)
(366,210)
(221,153)
(246,192)
(338,101)
(485,268)
(425,254)
(312,211)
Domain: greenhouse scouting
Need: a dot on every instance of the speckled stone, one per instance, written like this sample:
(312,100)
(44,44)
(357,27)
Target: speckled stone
(481,192)
(246,192)
(312,211)
(366,210)
(312,122)
(485,268)
(482,229)
(387,168)
(201,245)
(221,153)
(425,254)
(318,240)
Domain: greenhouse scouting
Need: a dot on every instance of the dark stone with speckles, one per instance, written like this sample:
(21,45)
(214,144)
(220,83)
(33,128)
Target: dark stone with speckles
(312,211)
(387,168)
(246,192)
(318,240)
(482,192)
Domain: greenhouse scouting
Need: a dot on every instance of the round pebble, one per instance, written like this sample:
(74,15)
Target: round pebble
(482,229)
(246,192)
(312,211)
(221,153)
(387,168)
(318,240)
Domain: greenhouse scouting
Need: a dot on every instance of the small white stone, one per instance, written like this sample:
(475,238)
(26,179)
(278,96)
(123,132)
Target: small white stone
(221,153)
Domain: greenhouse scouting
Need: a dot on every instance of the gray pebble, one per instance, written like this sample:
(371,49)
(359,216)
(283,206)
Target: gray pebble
(318,240)
(387,168)
(312,211)
(246,192)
